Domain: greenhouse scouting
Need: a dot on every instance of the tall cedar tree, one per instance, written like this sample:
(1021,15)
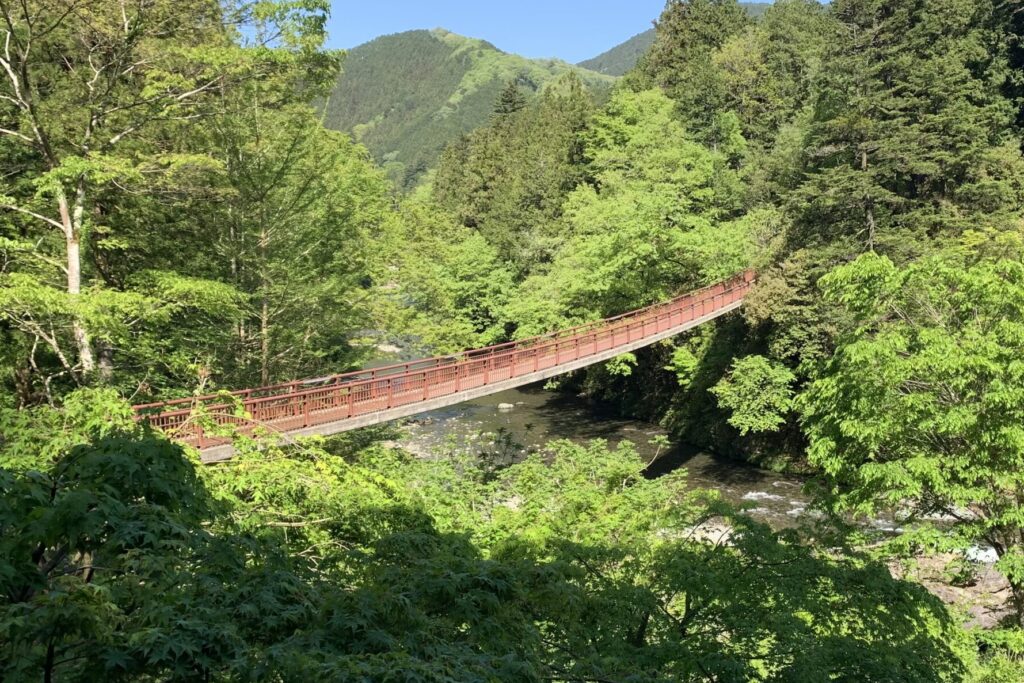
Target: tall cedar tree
(1013,15)
(510,100)
(681,59)
(910,134)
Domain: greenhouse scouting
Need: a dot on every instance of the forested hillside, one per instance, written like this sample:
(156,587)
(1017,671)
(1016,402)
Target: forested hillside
(865,157)
(176,220)
(620,59)
(406,96)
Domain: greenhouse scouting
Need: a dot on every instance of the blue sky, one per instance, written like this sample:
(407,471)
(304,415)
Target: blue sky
(572,30)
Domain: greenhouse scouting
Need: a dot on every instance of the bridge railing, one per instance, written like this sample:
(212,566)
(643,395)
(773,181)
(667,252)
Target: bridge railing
(307,403)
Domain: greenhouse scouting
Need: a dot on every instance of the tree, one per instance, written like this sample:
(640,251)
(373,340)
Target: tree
(76,90)
(680,61)
(299,206)
(95,100)
(123,558)
(652,224)
(441,282)
(758,393)
(920,409)
(627,578)
(509,180)
(768,70)
(510,100)
(1012,16)
(909,131)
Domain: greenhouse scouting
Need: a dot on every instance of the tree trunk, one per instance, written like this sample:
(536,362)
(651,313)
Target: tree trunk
(51,656)
(1017,595)
(23,386)
(265,340)
(71,219)
(235,248)
(264,247)
(105,361)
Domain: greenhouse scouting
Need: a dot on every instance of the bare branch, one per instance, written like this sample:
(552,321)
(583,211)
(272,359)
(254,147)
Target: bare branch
(33,214)
(16,134)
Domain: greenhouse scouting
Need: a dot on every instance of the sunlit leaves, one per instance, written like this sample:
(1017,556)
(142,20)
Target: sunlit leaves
(758,393)
(649,227)
(921,406)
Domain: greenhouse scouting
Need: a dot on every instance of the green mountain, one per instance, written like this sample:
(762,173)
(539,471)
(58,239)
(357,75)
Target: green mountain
(407,95)
(623,57)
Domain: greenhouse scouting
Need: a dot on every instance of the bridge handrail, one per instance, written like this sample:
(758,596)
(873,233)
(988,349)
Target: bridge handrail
(352,381)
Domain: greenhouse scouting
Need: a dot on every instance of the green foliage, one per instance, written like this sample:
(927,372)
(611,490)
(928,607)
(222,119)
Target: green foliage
(115,185)
(510,100)
(35,438)
(768,71)
(121,559)
(758,393)
(920,407)
(299,206)
(509,180)
(906,124)
(621,59)
(176,217)
(441,282)
(97,552)
(680,61)
(648,227)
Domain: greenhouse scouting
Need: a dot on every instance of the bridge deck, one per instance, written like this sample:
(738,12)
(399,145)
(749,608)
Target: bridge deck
(340,403)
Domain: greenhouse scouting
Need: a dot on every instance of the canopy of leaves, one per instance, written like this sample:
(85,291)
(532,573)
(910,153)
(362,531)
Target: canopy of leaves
(652,223)
(920,406)
(758,392)
(121,560)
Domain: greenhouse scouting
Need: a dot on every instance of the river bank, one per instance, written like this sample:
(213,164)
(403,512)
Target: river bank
(508,426)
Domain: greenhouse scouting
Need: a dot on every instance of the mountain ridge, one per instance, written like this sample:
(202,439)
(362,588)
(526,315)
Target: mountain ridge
(406,95)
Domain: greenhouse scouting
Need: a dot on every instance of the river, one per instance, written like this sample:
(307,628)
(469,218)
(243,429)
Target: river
(516,422)
(531,417)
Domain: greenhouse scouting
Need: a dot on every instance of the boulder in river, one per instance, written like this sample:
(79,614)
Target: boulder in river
(505,407)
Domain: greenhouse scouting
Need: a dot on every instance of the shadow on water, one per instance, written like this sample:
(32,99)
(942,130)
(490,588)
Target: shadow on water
(707,467)
(578,420)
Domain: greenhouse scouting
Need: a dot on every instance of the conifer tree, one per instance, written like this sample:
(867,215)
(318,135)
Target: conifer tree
(767,71)
(680,61)
(510,100)
(509,180)
(909,135)
(1012,12)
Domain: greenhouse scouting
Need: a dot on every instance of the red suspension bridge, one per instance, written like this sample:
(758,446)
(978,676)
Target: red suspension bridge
(329,405)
